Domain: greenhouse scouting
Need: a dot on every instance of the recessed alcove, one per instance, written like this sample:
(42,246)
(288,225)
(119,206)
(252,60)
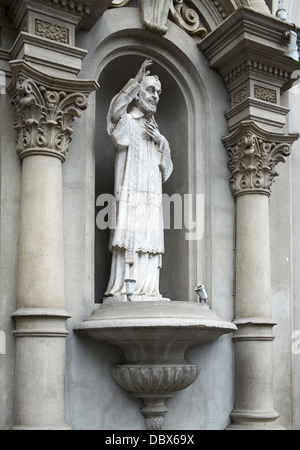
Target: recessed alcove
(172,118)
(157,334)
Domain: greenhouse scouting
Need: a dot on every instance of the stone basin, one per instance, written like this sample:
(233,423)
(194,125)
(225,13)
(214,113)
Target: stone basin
(154,337)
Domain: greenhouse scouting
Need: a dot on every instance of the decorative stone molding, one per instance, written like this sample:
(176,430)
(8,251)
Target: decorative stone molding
(82,13)
(187,18)
(241,95)
(82,7)
(265,94)
(55,58)
(34,322)
(44,118)
(248,50)
(254,155)
(219,6)
(44,115)
(46,37)
(89,11)
(51,31)
(154,384)
(185,14)
(154,337)
(156,12)
(260,68)
(247,44)
(155,15)
(254,329)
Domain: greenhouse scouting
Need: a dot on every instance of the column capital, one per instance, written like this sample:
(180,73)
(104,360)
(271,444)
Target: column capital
(45,109)
(255,153)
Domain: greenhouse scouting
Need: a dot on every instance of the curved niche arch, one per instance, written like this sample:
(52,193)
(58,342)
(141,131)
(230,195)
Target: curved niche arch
(176,118)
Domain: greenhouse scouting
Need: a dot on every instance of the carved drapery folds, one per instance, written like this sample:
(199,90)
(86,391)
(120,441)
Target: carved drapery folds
(44,115)
(255,154)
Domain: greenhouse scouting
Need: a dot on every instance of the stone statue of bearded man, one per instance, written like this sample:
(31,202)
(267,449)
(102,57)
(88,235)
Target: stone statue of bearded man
(142,163)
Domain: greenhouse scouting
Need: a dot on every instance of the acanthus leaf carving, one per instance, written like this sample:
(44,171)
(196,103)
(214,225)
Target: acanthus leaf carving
(255,154)
(44,118)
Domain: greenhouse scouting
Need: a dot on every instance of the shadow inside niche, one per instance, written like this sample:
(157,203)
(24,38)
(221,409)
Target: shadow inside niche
(172,118)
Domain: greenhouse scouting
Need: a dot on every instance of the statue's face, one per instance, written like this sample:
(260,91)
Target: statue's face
(148,96)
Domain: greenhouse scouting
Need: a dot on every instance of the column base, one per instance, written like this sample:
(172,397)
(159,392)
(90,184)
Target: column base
(40,384)
(254,420)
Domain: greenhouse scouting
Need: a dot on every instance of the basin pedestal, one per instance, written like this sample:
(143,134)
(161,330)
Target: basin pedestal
(154,337)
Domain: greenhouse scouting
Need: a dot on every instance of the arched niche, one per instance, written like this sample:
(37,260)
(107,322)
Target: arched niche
(182,120)
(172,117)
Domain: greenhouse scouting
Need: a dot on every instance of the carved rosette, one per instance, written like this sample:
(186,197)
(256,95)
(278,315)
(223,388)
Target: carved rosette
(255,154)
(154,384)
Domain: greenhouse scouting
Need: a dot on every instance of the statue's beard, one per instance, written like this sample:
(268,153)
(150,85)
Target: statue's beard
(147,108)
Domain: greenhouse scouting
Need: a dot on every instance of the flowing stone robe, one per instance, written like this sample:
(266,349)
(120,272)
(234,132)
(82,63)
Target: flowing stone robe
(141,166)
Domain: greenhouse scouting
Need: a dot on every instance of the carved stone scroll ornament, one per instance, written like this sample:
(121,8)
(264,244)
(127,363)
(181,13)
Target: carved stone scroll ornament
(187,18)
(255,154)
(156,12)
(155,15)
(44,118)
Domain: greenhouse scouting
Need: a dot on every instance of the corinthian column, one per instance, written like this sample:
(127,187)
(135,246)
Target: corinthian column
(45,110)
(254,155)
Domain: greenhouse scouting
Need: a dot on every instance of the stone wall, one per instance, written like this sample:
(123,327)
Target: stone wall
(200,167)
(192,116)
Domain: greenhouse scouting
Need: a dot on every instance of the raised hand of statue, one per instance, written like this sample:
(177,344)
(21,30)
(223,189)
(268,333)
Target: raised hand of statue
(143,72)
